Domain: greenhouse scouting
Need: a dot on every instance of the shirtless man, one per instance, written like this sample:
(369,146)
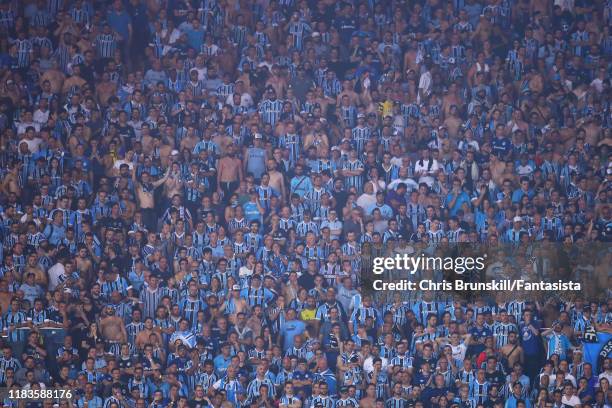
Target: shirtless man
(592,129)
(145,190)
(229,173)
(277,181)
(453,122)
(236,304)
(322,100)
(277,81)
(256,321)
(74,80)
(55,77)
(479,67)
(5,296)
(347,89)
(84,264)
(369,401)
(112,327)
(451,99)
(10,184)
(497,168)
(147,140)
(484,29)
(105,89)
(163,145)
(513,352)
(319,140)
(143,336)
(190,140)
(223,140)
(33,267)
(85,44)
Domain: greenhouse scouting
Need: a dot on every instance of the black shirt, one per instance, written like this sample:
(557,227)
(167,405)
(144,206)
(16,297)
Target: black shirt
(197,403)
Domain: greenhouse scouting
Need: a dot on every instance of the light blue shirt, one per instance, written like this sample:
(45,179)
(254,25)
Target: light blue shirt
(512,402)
(462,198)
(289,330)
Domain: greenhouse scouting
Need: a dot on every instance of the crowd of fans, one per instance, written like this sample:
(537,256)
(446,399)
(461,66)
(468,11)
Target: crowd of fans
(187,187)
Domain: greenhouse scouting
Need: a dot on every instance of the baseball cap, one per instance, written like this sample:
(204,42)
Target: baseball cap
(236,287)
(517,219)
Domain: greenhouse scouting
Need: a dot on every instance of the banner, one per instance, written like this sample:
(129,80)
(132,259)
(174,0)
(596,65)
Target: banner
(598,349)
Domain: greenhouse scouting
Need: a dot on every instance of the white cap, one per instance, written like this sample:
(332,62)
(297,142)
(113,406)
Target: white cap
(517,219)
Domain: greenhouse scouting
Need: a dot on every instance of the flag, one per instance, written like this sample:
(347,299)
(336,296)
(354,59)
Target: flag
(188,338)
(597,349)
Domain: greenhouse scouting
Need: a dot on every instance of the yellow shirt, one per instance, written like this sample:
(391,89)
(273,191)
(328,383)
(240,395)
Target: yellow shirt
(308,314)
(385,108)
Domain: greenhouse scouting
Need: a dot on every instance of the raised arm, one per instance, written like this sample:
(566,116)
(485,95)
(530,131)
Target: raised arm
(162,180)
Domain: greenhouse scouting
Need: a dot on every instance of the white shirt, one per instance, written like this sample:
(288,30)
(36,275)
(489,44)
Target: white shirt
(425,83)
(33,145)
(42,117)
(244,271)
(379,185)
(121,162)
(365,201)
(397,161)
(459,351)
(427,170)
(55,272)
(368,365)
(572,401)
(571,378)
(565,5)
(607,375)
(246,100)
(22,126)
(598,84)
(410,184)
(174,36)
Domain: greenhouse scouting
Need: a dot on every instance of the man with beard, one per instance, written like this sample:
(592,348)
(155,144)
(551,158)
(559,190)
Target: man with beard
(512,352)
(144,335)
(112,327)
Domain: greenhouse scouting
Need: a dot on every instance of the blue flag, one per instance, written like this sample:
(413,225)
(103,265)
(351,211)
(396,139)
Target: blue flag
(598,349)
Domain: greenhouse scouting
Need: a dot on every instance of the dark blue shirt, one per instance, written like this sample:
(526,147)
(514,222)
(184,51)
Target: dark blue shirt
(501,146)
